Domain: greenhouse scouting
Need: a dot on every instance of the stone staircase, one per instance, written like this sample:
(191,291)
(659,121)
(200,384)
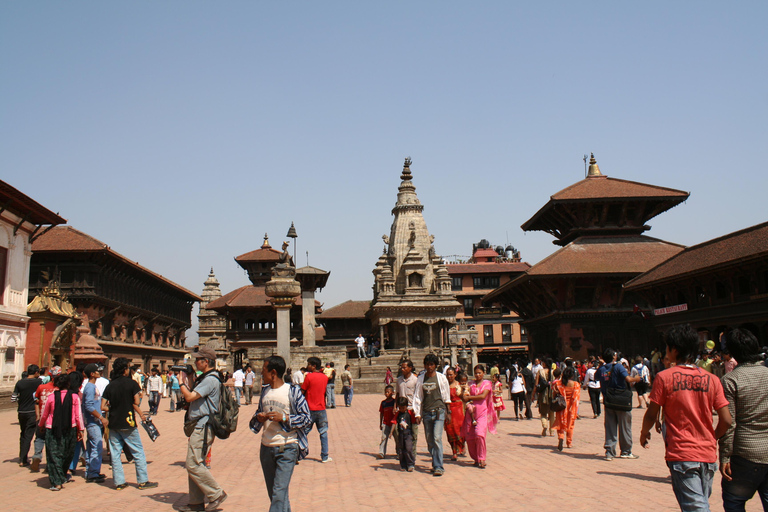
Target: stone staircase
(368,374)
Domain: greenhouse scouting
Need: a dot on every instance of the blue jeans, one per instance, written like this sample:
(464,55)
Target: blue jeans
(434,422)
(93,451)
(320,420)
(748,477)
(76,458)
(238,392)
(330,395)
(277,463)
(154,402)
(132,439)
(692,483)
(348,393)
(361,352)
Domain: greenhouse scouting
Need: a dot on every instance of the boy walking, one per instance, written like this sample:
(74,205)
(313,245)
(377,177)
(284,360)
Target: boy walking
(285,417)
(405,435)
(688,395)
(386,418)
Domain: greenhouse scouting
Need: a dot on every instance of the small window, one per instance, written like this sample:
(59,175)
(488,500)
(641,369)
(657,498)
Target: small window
(485,282)
(506,333)
(469,307)
(488,333)
(250,325)
(744,285)
(720,290)
(414,280)
(456,283)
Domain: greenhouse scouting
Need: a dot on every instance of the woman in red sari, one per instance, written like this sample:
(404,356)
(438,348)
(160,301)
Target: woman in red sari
(568,386)
(453,427)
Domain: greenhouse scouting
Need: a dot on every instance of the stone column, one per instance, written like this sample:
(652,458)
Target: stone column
(407,340)
(308,318)
(381,338)
(284,330)
(454,356)
(430,328)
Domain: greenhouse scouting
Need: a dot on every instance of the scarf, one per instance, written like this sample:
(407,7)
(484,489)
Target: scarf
(62,414)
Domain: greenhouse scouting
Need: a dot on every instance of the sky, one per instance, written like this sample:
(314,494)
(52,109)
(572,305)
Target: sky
(179,133)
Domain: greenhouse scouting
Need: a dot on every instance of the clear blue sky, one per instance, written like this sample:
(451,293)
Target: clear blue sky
(180,132)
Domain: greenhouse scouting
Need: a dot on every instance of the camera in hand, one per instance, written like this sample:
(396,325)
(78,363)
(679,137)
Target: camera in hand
(186,368)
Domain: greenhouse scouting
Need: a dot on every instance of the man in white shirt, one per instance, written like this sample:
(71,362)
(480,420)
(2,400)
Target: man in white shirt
(239,377)
(283,413)
(360,346)
(154,388)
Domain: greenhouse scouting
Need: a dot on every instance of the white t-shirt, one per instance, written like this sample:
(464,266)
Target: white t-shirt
(277,400)
(101,384)
(239,377)
(517,384)
(592,382)
(360,341)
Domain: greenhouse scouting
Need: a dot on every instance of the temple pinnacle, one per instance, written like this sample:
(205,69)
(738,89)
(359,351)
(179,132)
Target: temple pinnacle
(594,170)
(406,170)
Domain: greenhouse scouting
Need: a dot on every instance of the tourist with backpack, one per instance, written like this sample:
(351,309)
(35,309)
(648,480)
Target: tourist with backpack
(201,426)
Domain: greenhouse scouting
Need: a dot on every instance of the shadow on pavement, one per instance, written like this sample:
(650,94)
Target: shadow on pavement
(647,478)
(178,463)
(517,434)
(168,497)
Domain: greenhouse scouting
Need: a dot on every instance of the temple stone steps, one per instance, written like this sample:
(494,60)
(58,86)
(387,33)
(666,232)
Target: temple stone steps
(368,374)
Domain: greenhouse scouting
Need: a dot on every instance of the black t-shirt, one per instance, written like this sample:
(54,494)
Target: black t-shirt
(119,393)
(25,392)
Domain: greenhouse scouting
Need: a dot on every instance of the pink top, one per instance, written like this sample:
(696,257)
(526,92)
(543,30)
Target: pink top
(46,419)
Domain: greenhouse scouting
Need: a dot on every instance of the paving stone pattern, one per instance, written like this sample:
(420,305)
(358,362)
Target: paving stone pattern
(525,472)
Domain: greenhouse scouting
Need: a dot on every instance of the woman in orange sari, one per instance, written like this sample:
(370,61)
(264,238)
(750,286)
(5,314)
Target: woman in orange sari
(453,427)
(567,386)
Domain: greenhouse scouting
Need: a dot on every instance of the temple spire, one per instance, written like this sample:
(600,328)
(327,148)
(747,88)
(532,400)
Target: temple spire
(594,170)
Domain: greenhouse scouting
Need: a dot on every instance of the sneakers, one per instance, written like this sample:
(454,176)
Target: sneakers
(327,460)
(120,487)
(213,505)
(380,456)
(608,457)
(35,466)
(629,456)
(96,479)
(147,485)
(438,472)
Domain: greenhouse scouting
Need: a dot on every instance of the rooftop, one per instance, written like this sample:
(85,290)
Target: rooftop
(248,296)
(67,239)
(734,248)
(25,207)
(348,309)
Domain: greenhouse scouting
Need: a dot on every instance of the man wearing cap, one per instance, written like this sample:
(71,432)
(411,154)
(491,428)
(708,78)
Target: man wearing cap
(203,399)
(41,395)
(94,423)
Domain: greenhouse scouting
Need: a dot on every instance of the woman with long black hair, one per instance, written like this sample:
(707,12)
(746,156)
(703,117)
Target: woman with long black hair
(63,420)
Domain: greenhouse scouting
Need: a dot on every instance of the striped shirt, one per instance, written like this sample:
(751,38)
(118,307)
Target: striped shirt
(746,389)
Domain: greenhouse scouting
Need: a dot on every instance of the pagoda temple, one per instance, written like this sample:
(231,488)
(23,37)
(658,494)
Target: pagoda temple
(572,302)
(413,305)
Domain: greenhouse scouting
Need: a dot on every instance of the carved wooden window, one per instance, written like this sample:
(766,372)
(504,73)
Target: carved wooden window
(506,333)
(485,282)
(456,283)
(488,333)
(250,325)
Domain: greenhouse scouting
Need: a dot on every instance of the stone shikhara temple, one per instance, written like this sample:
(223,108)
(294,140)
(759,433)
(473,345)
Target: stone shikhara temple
(413,305)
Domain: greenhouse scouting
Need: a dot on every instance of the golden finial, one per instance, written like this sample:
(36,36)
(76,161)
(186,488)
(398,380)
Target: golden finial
(594,170)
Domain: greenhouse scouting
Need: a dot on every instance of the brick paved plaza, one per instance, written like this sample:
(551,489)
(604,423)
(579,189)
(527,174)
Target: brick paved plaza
(524,472)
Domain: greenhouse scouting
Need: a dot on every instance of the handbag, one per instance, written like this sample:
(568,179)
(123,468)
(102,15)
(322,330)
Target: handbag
(558,403)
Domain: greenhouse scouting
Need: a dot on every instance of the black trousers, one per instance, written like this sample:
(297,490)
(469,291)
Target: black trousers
(594,398)
(27,425)
(405,447)
(528,411)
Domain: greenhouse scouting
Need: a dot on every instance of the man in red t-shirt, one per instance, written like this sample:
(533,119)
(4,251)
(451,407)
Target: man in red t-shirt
(315,382)
(688,395)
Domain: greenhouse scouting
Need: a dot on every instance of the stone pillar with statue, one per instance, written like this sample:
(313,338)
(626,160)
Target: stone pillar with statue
(283,289)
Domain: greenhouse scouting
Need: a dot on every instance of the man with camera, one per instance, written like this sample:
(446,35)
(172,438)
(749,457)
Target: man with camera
(203,396)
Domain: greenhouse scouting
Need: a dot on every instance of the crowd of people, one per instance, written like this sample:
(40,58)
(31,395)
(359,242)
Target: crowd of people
(69,414)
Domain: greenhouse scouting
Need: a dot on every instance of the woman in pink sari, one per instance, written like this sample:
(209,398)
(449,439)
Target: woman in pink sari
(481,396)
